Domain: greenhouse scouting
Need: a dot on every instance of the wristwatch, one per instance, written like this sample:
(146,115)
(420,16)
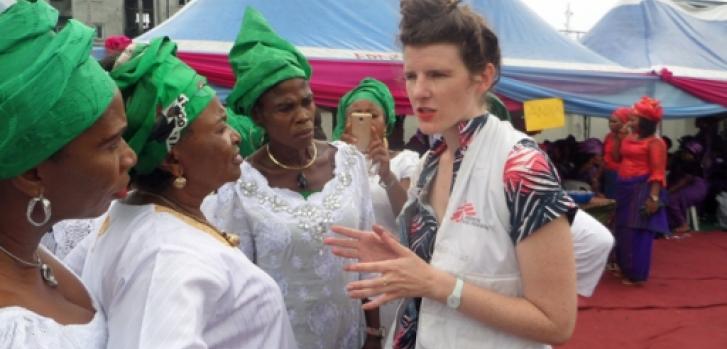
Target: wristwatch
(455,298)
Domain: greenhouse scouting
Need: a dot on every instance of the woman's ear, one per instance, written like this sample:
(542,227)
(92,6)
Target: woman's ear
(30,182)
(486,78)
(257,114)
(172,165)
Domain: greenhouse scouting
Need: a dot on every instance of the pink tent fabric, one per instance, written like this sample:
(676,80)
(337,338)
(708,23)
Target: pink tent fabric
(331,79)
(714,91)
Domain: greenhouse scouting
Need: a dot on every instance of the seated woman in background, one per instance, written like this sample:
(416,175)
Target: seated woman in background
(687,186)
(588,165)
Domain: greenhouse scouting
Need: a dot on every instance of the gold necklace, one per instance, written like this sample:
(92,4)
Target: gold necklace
(300,179)
(231,239)
(45,270)
(295,168)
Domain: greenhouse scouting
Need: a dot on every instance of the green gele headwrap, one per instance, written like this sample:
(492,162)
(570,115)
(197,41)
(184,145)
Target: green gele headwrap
(152,80)
(371,90)
(261,59)
(252,136)
(51,91)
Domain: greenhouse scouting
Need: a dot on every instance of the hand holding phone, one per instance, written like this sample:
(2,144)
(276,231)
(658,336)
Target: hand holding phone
(361,130)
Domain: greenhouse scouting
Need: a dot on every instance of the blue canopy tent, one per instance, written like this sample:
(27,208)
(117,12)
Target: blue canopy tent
(684,45)
(348,40)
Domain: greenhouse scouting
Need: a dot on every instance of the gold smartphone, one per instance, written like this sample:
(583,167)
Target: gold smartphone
(361,129)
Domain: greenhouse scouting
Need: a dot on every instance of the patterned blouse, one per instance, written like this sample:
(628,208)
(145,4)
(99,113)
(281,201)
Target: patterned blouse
(532,190)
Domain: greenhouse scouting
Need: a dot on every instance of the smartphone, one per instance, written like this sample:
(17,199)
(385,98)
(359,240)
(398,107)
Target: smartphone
(361,129)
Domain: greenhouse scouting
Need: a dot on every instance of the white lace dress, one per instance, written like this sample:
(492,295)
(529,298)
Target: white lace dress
(282,233)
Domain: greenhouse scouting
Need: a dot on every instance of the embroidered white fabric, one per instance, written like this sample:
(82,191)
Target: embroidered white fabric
(21,328)
(65,235)
(282,233)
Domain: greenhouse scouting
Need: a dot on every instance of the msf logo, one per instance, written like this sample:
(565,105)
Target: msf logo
(466,210)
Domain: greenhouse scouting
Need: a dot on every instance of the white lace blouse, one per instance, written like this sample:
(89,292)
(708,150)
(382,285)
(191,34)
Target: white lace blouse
(22,328)
(282,232)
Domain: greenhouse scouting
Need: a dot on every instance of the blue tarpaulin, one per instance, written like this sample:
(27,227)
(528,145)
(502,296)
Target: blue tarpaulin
(538,61)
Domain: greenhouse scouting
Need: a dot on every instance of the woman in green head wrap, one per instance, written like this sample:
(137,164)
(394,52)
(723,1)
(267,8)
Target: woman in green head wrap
(61,157)
(292,189)
(390,171)
(157,251)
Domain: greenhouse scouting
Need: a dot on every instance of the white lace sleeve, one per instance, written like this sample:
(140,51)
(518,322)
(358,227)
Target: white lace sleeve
(404,165)
(224,210)
(65,235)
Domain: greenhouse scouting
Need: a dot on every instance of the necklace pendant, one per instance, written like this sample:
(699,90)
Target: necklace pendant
(232,239)
(302,181)
(47,274)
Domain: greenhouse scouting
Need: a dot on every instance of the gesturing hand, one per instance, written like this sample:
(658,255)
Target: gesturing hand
(403,273)
(365,246)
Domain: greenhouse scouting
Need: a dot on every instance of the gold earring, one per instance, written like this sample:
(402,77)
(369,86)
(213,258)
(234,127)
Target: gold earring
(180,182)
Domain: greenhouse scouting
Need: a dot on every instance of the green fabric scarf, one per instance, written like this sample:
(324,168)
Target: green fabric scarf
(371,90)
(261,59)
(50,89)
(252,136)
(152,80)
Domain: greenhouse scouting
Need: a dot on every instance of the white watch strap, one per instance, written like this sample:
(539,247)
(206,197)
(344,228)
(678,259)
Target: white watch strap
(458,286)
(455,298)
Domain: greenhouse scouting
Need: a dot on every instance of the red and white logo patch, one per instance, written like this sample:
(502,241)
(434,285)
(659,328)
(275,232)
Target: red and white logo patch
(466,210)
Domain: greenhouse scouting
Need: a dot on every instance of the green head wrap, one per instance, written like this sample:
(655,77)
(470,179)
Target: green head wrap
(252,136)
(371,90)
(50,90)
(261,59)
(163,96)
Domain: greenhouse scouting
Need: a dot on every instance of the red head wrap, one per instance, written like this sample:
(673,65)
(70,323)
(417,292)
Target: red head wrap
(117,42)
(649,108)
(622,114)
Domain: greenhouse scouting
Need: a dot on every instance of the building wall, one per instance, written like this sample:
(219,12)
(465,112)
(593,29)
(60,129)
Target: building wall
(63,7)
(106,15)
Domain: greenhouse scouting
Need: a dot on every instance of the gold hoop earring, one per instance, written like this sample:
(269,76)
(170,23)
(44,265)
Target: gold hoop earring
(180,182)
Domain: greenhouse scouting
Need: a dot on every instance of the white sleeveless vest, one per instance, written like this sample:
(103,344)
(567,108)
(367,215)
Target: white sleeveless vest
(473,243)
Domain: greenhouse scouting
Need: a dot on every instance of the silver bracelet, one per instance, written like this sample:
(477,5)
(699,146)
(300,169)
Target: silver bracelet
(389,184)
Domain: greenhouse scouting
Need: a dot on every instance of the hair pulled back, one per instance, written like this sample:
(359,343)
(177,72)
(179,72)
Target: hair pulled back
(425,22)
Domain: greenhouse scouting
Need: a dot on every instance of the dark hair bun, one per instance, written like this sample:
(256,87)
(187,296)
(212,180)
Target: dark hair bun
(425,22)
